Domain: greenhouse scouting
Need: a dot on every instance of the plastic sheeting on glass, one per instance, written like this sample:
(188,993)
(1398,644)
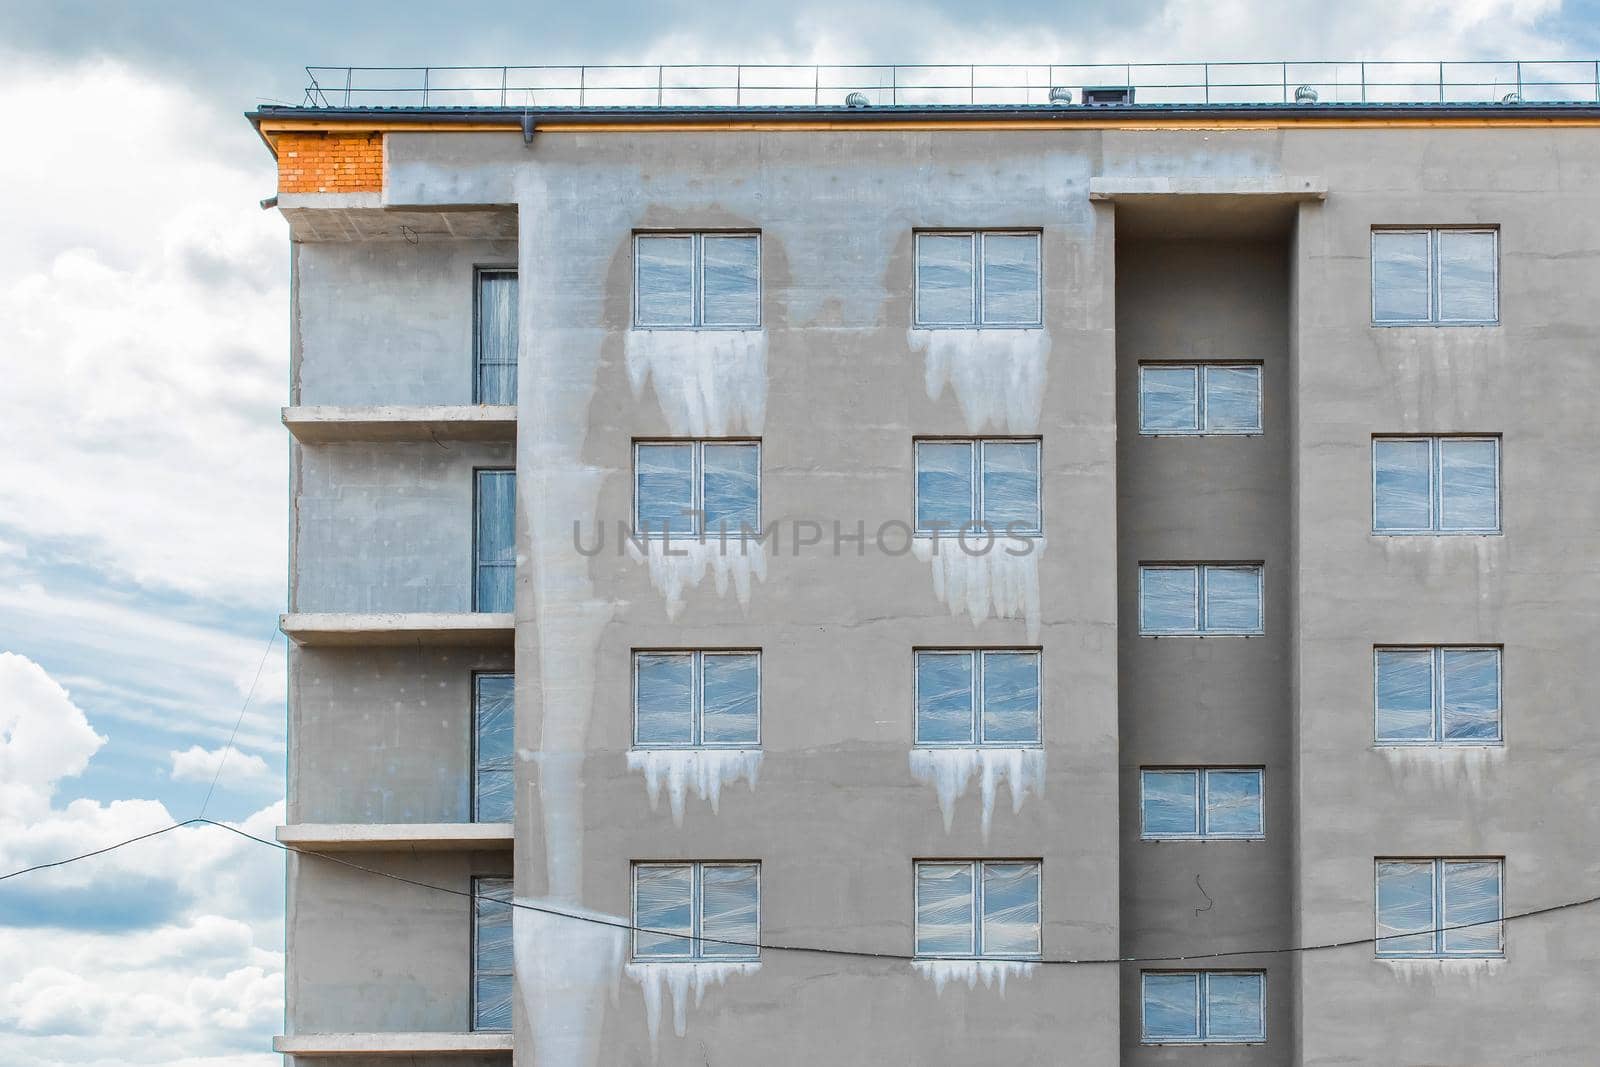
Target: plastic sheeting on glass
(1199,399)
(1201,803)
(1209,1006)
(978,909)
(1200,598)
(994,482)
(493,747)
(1438,695)
(495,548)
(688,911)
(978,278)
(497,337)
(977,696)
(1439,907)
(1436,484)
(688,280)
(690,488)
(691,699)
(491,954)
(1435,277)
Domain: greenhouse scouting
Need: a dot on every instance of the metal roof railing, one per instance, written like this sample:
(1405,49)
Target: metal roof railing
(767,85)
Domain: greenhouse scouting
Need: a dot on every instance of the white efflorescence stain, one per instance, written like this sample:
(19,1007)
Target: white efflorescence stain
(681,563)
(950,772)
(993,973)
(679,979)
(998,376)
(1454,766)
(982,580)
(709,383)
(1433,972)
(707,770)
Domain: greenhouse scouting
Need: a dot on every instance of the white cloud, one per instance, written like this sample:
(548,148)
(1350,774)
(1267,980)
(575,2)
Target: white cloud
(170,943)
(244,770)
(145,346)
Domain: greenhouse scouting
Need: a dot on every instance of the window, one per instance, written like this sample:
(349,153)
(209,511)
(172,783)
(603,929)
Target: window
(494,725)
(1441,696)
(1200,398)
(697,280)
(977,697)
(1435,485)
(696,911)
(1202,803)
(495,543)
(491,954)
(1438,908)
(978,278)
(982,909)
(697,699)
(1439,276)
(689,488)
(1196,599)
(496,318)
(992,482)
(1204,1006)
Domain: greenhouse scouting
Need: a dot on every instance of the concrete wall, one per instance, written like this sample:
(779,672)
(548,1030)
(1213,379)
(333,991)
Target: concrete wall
(387,322)
(387,527)
(374,954)
(1532,588)
(383,735)
(1215,701)
(837,818)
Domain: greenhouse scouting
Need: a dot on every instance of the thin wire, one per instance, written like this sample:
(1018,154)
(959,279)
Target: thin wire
(239,721)
(618,924)
(96,852)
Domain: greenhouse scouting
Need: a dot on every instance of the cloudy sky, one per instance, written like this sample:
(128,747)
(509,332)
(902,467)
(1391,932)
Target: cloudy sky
(143,332)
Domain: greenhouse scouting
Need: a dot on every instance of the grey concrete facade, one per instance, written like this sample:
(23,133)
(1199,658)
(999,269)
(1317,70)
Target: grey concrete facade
(1218,252)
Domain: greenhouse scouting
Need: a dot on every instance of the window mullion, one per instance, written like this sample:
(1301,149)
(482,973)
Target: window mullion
(1202,801)
(697,280)
(1200,599)
(1438,695)
(697,698)
(1434,303)
(1438,907)
(1202,373)
(696,871)
(977,909)
(976,697)
(975,248)
(1203,1008)
(698,496)
(977,503)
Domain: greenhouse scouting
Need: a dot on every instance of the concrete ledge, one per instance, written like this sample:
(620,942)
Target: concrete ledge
(349,629)
(1280,187)
(389,1044)
(323,423)
(418,837)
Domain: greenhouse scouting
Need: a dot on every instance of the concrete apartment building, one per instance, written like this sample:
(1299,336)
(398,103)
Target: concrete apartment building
(1281,407)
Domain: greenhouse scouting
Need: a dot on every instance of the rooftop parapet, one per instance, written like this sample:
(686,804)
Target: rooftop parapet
(1308,84)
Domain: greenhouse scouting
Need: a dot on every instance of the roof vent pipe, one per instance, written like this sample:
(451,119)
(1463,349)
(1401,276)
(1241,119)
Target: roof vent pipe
(1511,98)
(1060,95)
(1305,95)
(857,100)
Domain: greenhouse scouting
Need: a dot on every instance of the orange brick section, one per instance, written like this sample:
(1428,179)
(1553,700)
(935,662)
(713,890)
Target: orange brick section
(330,163)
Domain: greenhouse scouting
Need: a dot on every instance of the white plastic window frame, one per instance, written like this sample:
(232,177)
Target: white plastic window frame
(1437,738)
(1201,369)
(975,518)
(1202,777)
(976,931)
(975,258)
(1200,599)
(697,477)
(478,362)
(975,697)
(1436,487)
(478,562)
(1201,1011)
(698,280)
(697,657)
(1432,233)
(484,886)
(1439,951)
(477,769)
(696,953)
